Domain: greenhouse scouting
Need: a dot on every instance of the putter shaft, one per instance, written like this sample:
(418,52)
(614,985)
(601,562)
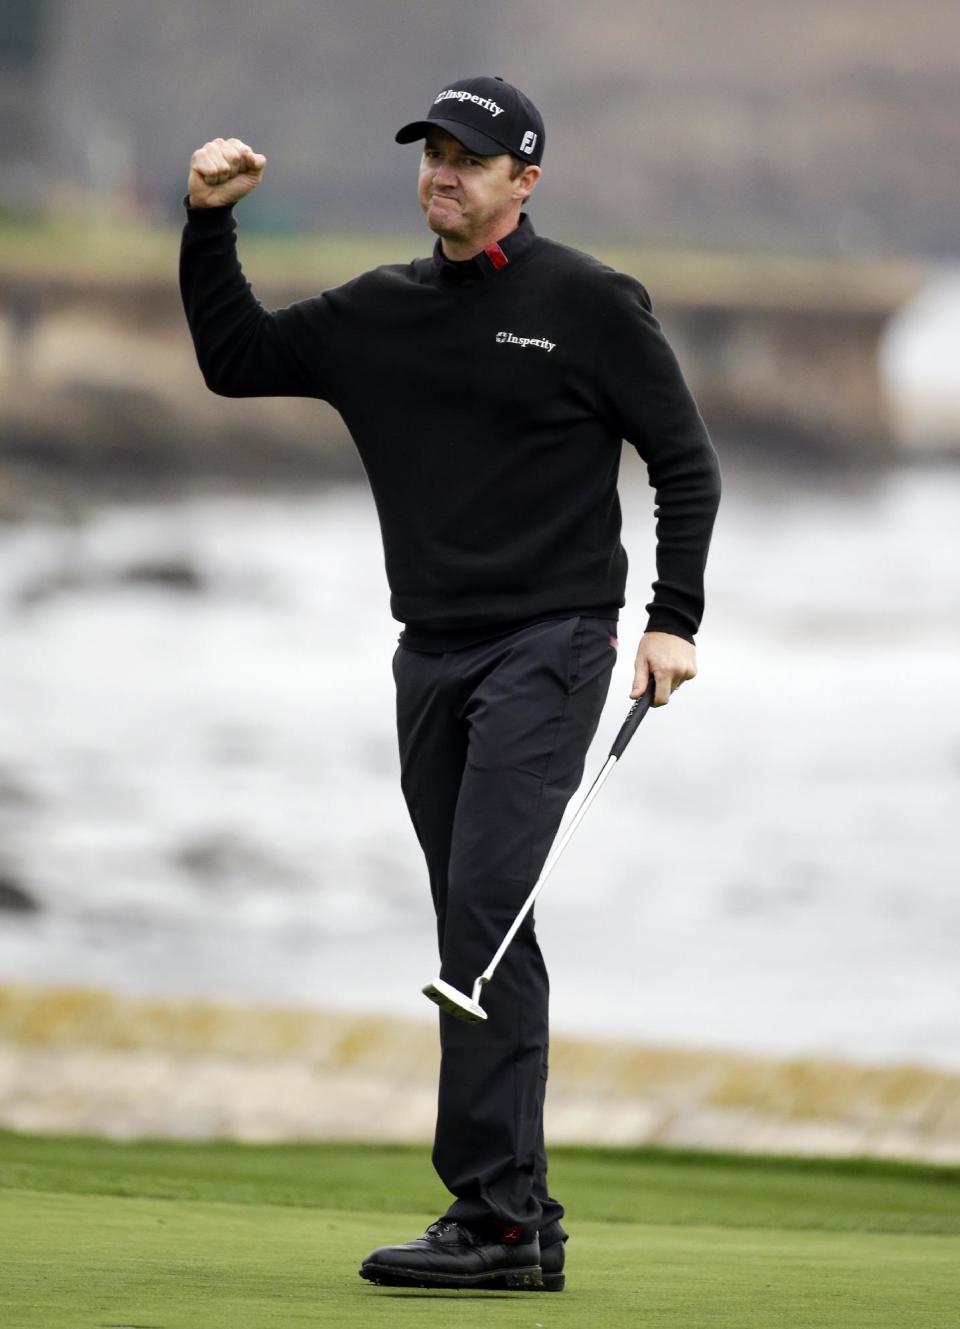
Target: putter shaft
(468,1008)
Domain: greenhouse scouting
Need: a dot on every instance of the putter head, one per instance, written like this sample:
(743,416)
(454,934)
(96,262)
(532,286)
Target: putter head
(456,1003)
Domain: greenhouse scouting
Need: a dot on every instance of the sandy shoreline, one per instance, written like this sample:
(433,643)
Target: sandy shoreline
(90,1062)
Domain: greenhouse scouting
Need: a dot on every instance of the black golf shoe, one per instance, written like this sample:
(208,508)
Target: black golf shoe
(450,1254)
(552,1239)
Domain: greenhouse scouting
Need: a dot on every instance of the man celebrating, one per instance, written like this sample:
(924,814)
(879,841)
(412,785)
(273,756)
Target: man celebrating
(488,389)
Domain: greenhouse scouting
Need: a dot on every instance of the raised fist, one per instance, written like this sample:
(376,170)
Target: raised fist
(223,171)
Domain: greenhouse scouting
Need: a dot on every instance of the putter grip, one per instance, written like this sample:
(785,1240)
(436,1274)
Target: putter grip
(630,725)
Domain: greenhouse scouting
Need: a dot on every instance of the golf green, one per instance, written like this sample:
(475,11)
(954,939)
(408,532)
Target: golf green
(132,1236)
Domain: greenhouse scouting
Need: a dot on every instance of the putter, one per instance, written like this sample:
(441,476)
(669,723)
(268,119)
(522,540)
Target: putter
(466,1008)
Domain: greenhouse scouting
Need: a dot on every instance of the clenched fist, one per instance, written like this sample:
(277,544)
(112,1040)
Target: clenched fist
(223,171)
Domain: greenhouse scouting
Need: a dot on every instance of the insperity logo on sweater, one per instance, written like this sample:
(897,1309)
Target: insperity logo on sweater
(524,342)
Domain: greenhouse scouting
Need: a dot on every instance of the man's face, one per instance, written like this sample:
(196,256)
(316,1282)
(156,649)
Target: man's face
(461,194)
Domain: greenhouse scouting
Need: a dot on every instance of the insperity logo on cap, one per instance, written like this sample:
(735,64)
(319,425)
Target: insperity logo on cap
(487,115)
(458,95)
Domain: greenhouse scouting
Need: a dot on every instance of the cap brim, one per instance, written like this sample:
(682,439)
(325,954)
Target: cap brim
(469,137)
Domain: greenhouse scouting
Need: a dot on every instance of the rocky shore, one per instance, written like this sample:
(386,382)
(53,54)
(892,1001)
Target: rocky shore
(92,1062)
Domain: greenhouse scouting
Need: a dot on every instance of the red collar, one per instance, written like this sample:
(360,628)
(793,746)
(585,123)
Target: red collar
(496,256)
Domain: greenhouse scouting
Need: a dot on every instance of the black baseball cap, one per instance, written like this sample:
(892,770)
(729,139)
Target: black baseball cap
(486,115)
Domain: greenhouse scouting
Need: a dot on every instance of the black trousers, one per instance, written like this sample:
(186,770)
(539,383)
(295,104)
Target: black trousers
(493,739)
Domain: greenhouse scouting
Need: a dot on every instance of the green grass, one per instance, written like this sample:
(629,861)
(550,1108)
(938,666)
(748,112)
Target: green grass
(95,1233)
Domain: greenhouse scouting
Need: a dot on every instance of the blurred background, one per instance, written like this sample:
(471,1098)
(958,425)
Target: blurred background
(214,915)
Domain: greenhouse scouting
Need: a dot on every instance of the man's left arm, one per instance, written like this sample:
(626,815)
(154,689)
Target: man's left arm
(646,396)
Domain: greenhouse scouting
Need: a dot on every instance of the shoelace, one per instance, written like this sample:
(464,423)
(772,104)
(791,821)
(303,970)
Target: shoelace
(441,1225)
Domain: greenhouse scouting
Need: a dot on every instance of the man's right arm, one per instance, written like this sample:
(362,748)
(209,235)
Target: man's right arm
(243,349)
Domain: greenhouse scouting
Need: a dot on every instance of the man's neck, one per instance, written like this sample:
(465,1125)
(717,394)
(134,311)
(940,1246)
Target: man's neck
(460,250)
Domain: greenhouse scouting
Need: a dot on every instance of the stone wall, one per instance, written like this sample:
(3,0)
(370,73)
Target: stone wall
(98,374)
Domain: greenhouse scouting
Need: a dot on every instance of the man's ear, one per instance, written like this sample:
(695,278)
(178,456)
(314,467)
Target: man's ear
(526,182)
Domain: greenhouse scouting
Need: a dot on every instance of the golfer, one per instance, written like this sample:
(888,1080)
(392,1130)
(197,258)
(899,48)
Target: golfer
(488,389)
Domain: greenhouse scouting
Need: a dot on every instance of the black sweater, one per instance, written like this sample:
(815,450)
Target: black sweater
(488,400)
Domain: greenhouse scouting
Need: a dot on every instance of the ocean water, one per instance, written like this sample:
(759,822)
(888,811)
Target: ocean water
(199,783)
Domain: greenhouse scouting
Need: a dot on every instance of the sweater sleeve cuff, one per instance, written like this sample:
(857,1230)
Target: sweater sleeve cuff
(662,620)
(208,219)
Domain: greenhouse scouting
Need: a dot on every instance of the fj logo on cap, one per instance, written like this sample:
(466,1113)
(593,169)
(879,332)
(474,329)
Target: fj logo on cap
(454,94)
(529,141)
(524,342)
